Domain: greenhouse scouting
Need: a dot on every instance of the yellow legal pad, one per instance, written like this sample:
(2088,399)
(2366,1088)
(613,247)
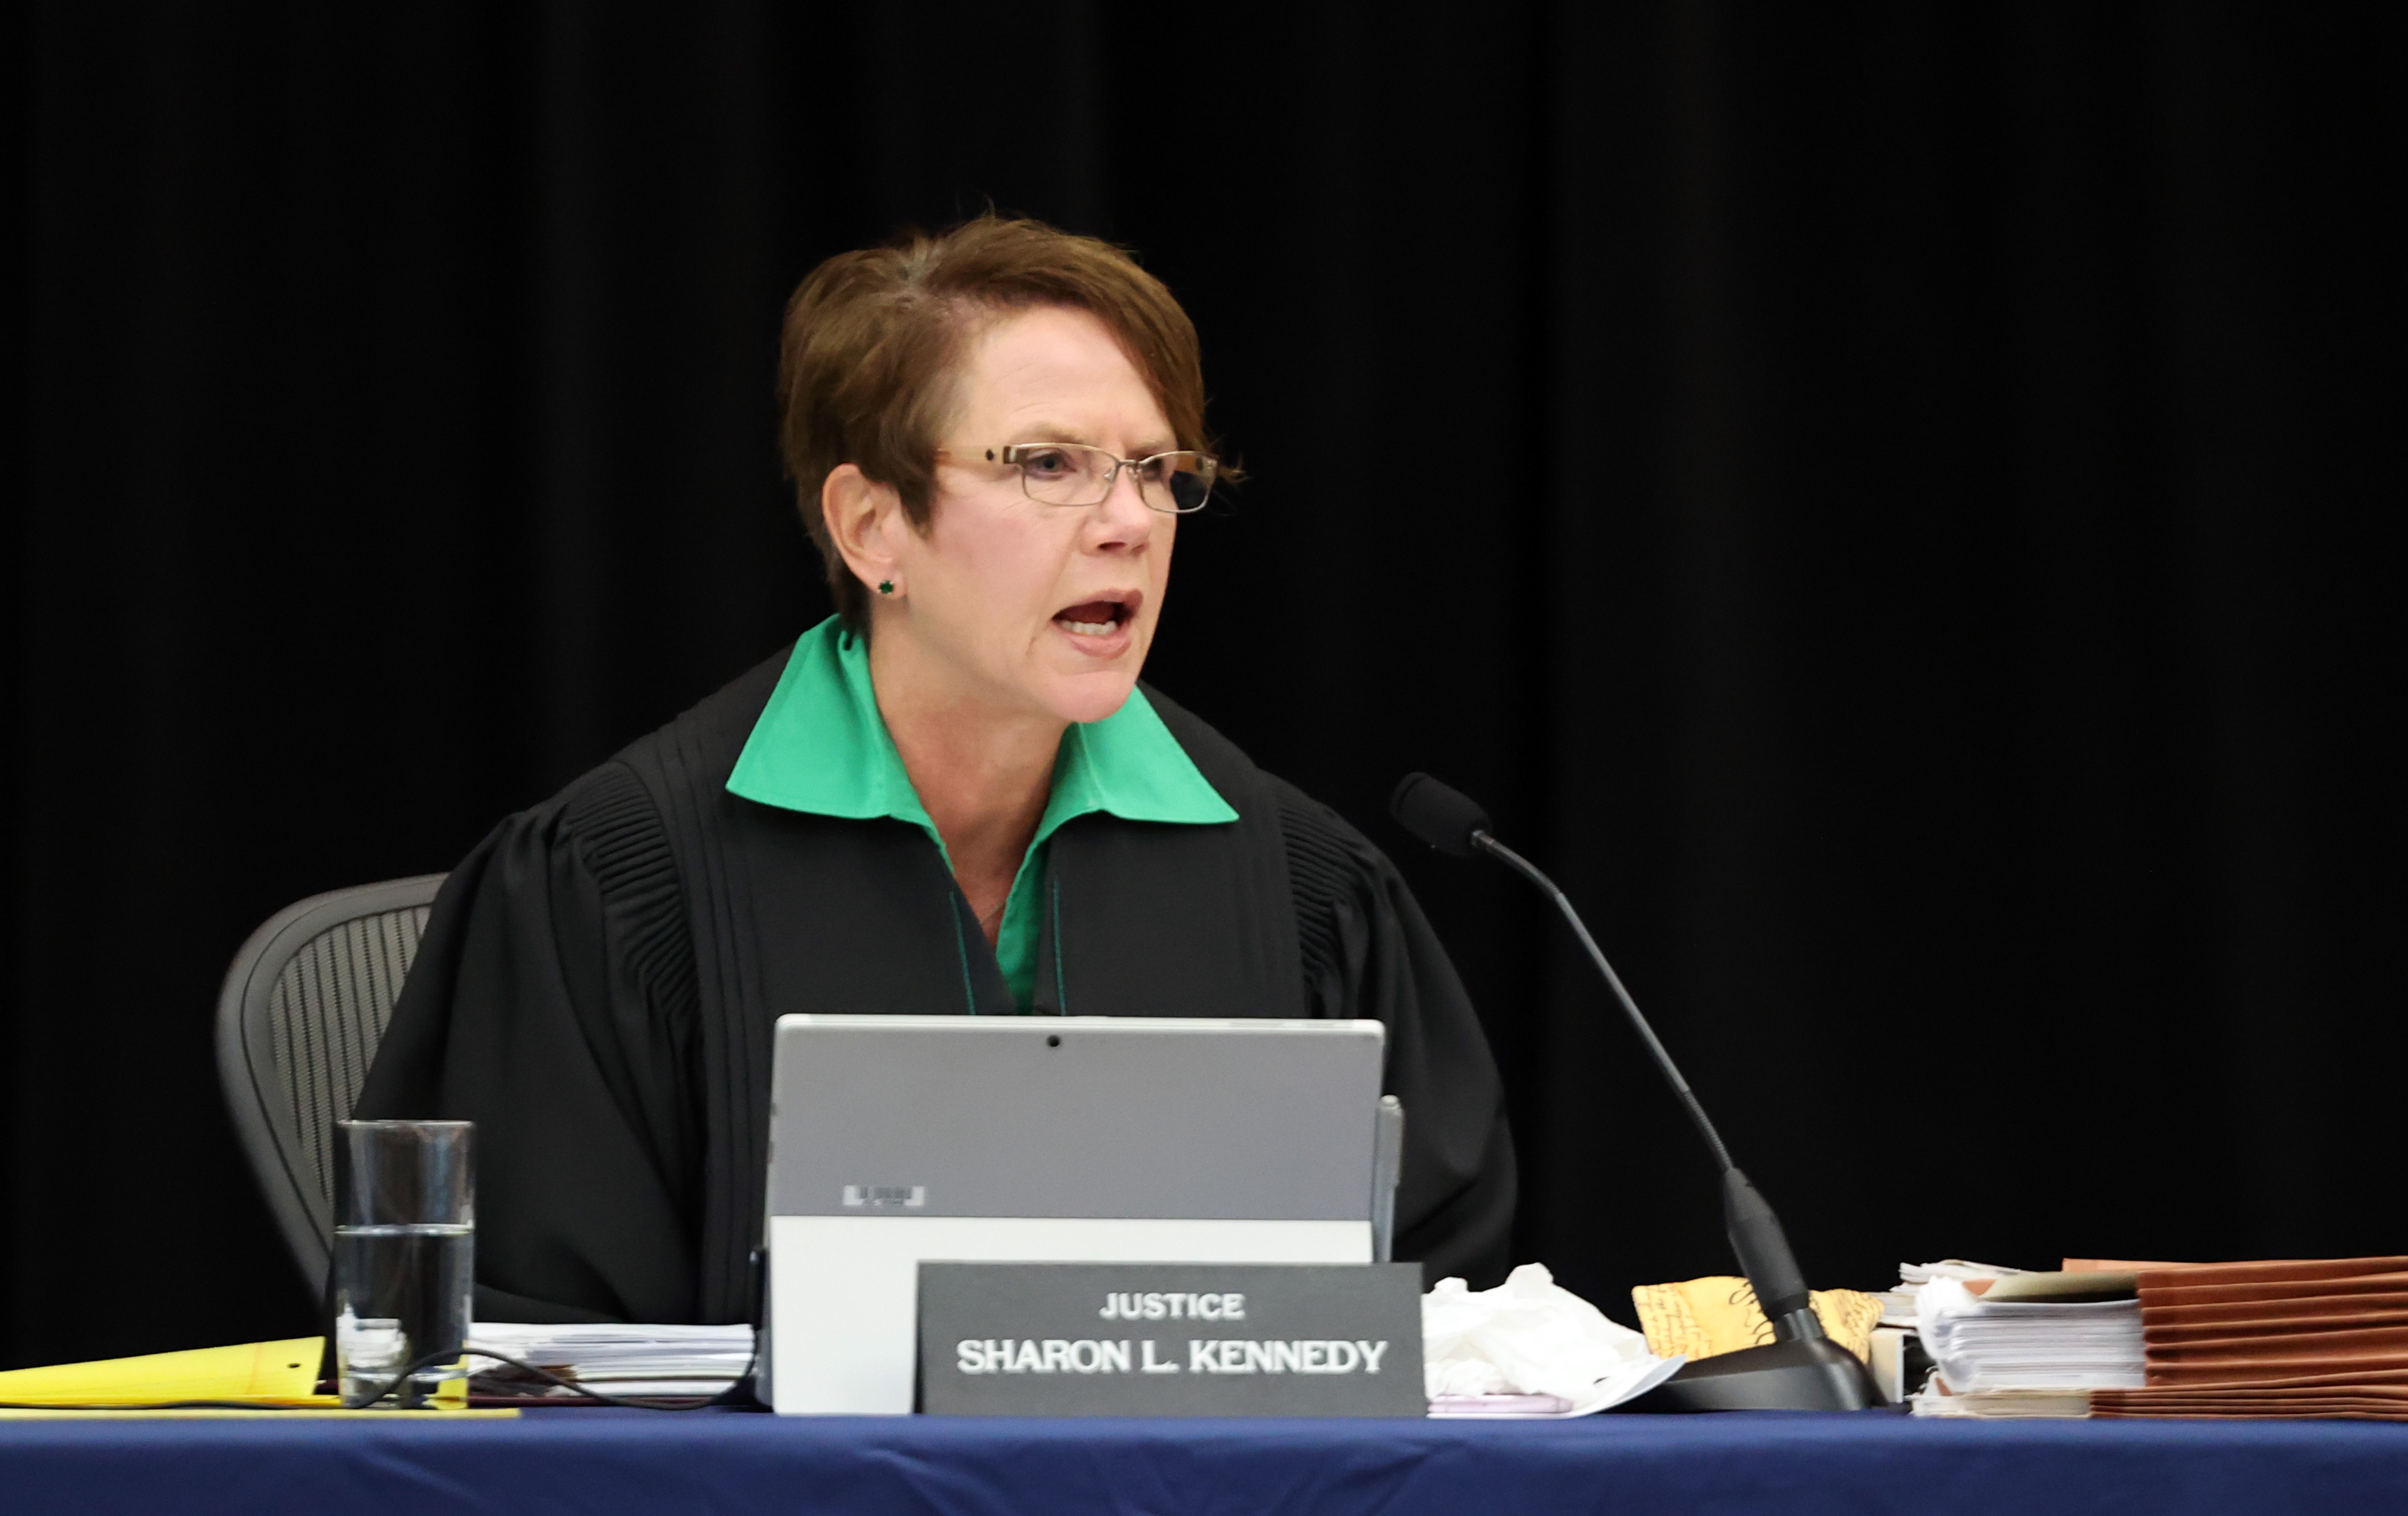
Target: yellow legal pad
(1719,1314)
(276,1376)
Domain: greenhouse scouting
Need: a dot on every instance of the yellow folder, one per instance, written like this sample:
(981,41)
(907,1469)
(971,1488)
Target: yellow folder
(275,1376)
(255,1373)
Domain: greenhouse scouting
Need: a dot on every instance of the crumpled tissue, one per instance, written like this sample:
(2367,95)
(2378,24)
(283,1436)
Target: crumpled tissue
(1530,1336)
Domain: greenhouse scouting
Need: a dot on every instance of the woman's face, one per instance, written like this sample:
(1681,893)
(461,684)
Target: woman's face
(1039,608)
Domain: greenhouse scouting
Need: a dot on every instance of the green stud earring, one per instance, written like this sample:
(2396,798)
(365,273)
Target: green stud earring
(885,586)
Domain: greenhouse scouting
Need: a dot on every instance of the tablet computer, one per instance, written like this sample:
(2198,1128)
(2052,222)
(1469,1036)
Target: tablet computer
(895,1140)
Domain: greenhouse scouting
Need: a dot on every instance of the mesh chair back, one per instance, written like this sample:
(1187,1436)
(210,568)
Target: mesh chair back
(298,1023)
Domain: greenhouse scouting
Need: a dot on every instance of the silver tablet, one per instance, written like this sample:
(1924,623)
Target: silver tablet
(1057,1140)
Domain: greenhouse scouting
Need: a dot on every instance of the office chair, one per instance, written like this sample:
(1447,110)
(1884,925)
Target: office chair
(298,1023)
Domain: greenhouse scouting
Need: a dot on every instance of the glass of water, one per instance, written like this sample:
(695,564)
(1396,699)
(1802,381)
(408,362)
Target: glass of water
(405,1254)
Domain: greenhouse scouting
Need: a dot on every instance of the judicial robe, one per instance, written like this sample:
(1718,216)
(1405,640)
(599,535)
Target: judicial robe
(598,981)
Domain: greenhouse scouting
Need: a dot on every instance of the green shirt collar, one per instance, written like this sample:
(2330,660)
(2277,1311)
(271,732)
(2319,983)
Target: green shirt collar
(821,746)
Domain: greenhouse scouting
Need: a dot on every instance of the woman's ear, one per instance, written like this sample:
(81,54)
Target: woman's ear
(863,517)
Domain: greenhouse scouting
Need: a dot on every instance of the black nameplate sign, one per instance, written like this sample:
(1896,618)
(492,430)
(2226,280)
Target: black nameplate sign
(1172,1339)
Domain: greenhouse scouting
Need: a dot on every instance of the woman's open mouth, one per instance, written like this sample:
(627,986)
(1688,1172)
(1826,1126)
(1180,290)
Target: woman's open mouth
(1102,625)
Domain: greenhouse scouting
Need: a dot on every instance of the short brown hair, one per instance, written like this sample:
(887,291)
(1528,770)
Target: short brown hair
(872,340)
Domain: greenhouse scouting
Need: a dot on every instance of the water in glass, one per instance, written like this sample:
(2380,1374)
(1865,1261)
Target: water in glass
(404,1293)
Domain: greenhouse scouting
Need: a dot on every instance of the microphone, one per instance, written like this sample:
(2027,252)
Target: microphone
(1448,820)
(1801,1369)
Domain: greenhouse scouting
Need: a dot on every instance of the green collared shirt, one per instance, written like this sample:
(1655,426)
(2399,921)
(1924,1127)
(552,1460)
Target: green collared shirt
(821,746)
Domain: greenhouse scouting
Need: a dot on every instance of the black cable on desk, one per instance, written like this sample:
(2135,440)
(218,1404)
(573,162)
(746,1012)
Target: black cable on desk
(431,1360)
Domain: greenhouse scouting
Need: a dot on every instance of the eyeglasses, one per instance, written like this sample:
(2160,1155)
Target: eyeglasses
(1075,474)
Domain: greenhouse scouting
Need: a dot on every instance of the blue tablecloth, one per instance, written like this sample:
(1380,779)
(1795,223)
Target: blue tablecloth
(629,1461)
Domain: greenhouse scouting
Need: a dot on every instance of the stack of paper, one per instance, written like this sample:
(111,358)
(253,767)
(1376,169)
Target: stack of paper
(645,1361)
(2004,1405)
(1895,1350)
(2313,1338)
(1898,1305)
(2043,1339)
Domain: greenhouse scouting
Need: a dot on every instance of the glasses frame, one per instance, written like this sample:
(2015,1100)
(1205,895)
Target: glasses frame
(1012,456)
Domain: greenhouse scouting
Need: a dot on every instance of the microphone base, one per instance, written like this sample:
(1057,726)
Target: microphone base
(1810,1374)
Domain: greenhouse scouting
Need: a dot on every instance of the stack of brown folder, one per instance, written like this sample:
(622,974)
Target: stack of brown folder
(2306,1338)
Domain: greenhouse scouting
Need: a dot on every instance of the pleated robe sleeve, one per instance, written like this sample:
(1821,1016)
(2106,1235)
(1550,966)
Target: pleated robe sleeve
(1368,951)
(553,1003)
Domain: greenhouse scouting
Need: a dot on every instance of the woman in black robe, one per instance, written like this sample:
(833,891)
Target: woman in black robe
(954,796)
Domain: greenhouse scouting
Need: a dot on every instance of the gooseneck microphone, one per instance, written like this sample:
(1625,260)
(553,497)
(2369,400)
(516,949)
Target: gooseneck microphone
(1801,1369)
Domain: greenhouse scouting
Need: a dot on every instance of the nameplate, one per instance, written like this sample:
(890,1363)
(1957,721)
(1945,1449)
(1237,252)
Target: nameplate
(1171,1339)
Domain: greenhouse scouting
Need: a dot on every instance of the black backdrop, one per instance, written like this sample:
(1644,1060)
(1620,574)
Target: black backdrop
(1892,503)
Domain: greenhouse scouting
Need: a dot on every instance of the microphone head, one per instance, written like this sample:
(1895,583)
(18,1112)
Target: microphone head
(1443,818)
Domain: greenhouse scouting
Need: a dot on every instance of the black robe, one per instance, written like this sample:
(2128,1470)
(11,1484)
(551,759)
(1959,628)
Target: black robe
(597,983)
